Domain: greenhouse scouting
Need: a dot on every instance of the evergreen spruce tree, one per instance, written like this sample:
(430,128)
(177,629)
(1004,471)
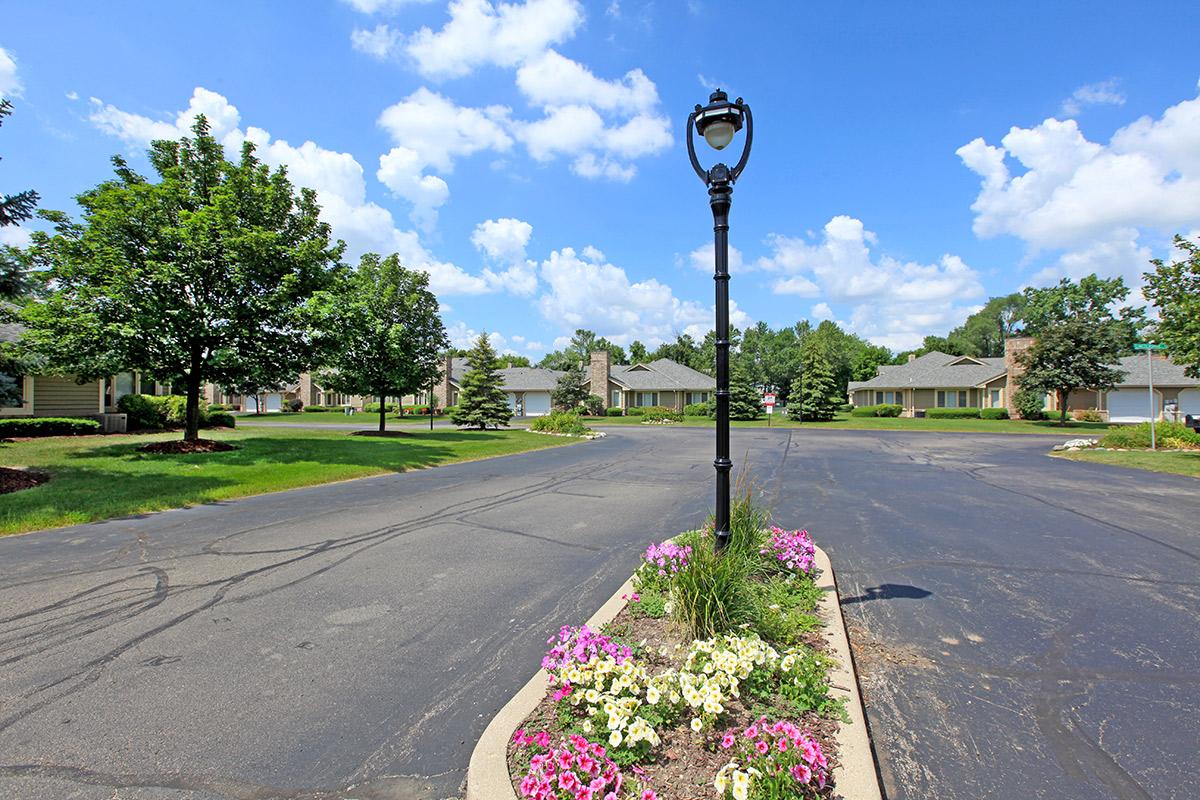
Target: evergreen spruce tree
(745,401)
(482,402)
(570,392)
(819,396)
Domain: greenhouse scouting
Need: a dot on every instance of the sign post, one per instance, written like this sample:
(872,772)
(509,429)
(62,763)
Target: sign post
(769,402)
(1150,348)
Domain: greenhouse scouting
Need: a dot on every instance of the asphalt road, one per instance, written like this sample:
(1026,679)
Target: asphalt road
(1024,627)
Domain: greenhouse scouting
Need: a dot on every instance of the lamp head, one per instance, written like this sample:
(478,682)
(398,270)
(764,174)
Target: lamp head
(718,121)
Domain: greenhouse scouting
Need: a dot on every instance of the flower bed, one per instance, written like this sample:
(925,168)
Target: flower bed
(713,681)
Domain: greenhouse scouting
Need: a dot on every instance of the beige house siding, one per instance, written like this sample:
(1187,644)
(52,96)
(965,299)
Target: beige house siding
(59,396)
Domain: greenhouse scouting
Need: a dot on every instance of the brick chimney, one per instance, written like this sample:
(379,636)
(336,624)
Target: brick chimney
(307,394)
(442,388)
(912,356)
(1013,346)
(599,372)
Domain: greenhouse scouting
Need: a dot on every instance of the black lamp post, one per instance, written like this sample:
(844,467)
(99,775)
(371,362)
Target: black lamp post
(718,122)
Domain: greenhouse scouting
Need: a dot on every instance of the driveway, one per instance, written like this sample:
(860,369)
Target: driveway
(1026,627)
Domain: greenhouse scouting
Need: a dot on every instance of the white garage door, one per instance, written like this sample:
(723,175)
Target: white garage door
(537,404)
(1189,402)
(1131,405)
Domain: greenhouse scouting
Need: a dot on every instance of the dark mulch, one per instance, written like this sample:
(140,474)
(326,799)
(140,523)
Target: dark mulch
(687,761)
(183,446)
(384,434)
(14,480)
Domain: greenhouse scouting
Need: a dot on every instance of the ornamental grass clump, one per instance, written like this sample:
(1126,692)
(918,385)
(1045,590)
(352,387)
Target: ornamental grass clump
(771,761)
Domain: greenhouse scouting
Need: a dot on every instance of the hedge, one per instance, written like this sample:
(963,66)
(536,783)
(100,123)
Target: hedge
(660,414)
(373,408)
(846,408)
(219,407)
(952,413)
(222,419)
(695,410)
(993,413)
(48,426)
(1168,434)
(615,412)
(152,412)
(884,410)
(318,408)
(636,411)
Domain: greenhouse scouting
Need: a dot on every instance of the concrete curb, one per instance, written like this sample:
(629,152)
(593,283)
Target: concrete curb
(487,774)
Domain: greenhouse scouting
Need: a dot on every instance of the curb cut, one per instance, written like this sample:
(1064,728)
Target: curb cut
(487,773)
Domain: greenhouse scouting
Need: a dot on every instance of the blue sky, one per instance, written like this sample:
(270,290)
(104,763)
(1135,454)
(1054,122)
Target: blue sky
(910,160)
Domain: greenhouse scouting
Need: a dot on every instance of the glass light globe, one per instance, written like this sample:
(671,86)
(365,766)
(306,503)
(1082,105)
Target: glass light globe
(718,134)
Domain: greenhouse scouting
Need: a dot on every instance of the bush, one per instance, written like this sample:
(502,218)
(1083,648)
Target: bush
(295,404)
(1030,404)
(695,410)
(846,408)
(993,413)
(1138,436)
(560,422)
(1087,415)
(408,411)
(660,415)
(594,406)
(48,426)
(884,410)
(314,409)
(616,412)
(221,419)
(448,410)
(219,407)
(952,413)
(373,408)
(142,411)
(636,411)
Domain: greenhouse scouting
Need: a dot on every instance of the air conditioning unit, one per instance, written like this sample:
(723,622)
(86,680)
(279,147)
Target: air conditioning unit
(111,423)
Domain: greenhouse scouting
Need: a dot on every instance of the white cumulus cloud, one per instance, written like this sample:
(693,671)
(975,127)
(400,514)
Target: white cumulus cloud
(10,84)
(503,242)
(480,33)
(382,41)
(1104,93)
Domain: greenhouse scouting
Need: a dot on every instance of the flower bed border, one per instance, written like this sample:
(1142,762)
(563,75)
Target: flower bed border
(855,779)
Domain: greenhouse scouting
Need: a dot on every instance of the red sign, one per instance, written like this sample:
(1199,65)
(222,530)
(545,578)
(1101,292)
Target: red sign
(768,399)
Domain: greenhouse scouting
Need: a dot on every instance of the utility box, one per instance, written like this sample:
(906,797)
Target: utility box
(111,423)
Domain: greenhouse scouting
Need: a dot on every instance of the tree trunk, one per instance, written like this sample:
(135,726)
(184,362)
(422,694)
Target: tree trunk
(382,413)
(191,430)
(1062,406)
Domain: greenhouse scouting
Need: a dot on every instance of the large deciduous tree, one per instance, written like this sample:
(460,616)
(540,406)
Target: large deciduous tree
(482,402)
(379,332)
(201,276)
(1175,289)
(1078,336)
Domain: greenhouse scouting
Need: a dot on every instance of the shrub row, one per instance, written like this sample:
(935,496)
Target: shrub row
(696,410)
(615,412)
(48,426)
(952,413)
(149,411)
(1168,434)
(884,410)
(993,413)
(319,408)
(658,414)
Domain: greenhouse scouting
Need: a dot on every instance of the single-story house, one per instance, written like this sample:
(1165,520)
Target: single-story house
(939,380)
(658,383)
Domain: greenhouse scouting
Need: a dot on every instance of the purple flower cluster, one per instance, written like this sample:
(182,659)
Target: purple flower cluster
(668,557)
(793,548)
(579,645)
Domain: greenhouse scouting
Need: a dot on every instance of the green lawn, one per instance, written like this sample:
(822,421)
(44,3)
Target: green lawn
(99,477)
(324,417)
(1175,461)
(847,422)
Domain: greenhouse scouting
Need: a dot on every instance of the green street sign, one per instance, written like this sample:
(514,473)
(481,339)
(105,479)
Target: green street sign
(1148,346)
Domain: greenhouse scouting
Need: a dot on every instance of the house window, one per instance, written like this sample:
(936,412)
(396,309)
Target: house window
(994,396)
(616,398)
(697,397)
(952,398)
(889,398)
(644,399)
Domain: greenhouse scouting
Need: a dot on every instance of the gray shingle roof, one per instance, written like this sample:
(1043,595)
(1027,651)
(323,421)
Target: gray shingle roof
(516,379)
(662,375)
(1166,372)
(935,370)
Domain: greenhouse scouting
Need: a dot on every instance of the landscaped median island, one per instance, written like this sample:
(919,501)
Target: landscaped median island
(99,477)
(713,681)
(1177,448)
